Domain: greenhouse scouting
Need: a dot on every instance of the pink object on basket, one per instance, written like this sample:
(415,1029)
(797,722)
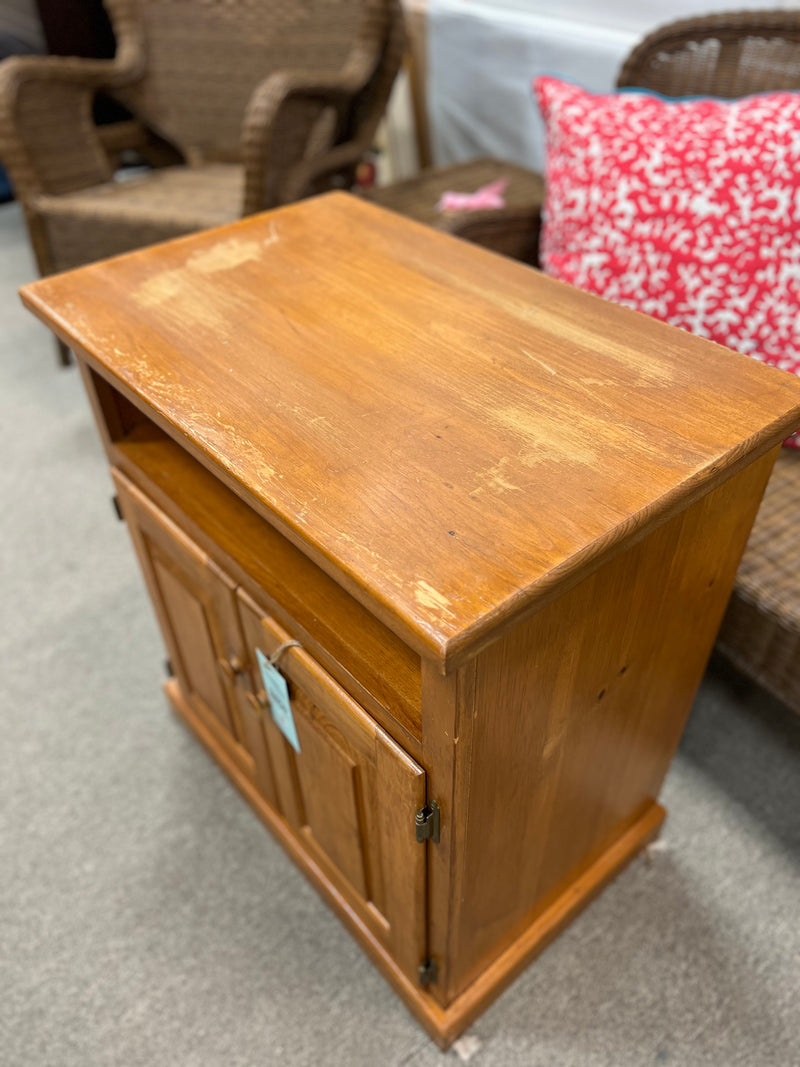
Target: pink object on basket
(483,199)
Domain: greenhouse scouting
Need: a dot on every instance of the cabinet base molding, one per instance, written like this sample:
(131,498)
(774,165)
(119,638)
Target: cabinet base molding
(443,1024)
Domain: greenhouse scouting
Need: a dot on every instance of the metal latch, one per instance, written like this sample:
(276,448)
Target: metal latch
(426,823)
(428,971)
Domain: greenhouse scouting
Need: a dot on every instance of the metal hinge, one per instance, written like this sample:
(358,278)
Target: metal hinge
(426,823)
(117,508)
(428,971)
(168,668)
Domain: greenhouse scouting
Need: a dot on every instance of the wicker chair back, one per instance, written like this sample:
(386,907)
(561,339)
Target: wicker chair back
(728,54)
(200,60)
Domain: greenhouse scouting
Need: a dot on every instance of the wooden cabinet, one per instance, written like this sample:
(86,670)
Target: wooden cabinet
(484,526)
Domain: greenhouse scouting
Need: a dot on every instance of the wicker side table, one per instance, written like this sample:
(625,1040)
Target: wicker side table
(503,231)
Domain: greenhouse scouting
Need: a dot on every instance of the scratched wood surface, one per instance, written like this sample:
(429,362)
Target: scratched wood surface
(451,435)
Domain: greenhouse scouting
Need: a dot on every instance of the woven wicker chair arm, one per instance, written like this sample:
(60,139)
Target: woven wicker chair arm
(280,119)
(334,160)
(48,140)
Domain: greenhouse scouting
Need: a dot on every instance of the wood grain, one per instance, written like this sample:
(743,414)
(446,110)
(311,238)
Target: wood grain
(578,713)
(449,704)
(452,444)
(195,605)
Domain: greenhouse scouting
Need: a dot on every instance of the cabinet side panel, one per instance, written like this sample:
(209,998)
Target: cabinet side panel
(578,712)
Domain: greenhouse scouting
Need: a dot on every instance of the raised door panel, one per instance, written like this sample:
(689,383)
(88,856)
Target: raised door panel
(350,793)
(196,607)
(334,814)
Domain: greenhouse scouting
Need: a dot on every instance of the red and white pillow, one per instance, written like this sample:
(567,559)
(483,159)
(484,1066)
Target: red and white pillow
(688,210)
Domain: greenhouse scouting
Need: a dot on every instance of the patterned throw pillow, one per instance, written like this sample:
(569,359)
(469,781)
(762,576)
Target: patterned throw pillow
(688,210)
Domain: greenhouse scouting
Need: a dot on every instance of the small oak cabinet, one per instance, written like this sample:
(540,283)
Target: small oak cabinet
(485,526)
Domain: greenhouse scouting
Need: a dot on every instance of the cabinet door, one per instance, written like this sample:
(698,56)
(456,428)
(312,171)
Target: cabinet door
(350,793)
(196,606)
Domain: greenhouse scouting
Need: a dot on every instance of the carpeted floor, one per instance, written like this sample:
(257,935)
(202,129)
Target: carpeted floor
(147,919)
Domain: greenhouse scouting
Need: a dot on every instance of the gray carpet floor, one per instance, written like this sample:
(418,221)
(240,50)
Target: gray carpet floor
(147,918)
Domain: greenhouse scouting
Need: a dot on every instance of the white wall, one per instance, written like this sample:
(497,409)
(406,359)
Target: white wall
(483,54)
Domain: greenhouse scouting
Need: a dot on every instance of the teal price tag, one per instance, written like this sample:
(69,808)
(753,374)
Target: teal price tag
(278,693)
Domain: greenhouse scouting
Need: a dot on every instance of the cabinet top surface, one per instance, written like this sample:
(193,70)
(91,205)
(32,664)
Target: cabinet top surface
(451,434)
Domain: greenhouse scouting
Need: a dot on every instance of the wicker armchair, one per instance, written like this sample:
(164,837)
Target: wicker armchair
(255,102)
(727,55)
